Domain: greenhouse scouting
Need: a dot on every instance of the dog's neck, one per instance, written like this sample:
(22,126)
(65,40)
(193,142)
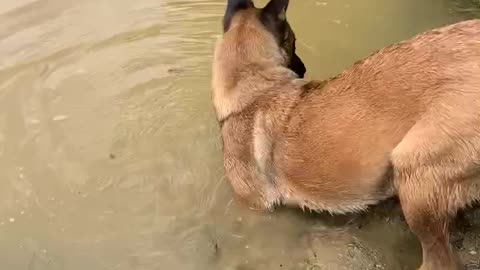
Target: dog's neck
(231,97)
(244,70)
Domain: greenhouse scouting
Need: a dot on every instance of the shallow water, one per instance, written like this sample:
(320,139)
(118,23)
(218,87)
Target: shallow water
(110,155)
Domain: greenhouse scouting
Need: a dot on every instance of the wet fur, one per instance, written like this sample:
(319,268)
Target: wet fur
(403,122)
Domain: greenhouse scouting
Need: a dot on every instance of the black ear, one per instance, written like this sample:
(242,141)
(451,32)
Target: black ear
(232,7)
(277,9)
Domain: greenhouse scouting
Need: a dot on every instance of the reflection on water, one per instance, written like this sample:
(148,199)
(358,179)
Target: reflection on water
(110,156)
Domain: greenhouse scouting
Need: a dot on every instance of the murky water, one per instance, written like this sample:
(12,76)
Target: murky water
(110,156)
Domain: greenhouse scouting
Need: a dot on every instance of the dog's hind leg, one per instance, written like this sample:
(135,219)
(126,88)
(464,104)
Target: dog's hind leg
(426,204)
(433,176)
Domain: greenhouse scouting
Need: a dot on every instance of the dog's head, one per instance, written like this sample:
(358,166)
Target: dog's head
(272,18)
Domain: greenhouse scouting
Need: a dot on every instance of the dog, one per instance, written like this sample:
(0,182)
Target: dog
(403,122)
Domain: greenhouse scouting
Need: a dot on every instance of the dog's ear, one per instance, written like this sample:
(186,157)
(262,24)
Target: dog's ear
(274,18)
(232,7)
(277,9)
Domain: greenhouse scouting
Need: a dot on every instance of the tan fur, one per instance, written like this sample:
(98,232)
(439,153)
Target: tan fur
(405,121)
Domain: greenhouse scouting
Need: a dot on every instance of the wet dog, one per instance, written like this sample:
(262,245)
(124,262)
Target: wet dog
(403,122)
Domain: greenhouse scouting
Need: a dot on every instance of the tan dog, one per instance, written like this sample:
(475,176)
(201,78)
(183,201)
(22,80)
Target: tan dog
(405,121)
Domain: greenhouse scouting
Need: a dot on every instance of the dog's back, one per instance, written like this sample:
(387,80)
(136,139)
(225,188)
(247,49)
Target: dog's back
(420,96)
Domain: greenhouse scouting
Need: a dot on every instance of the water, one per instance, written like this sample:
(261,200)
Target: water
(110,155)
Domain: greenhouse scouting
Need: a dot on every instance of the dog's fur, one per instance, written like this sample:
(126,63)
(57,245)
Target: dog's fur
(403,122)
